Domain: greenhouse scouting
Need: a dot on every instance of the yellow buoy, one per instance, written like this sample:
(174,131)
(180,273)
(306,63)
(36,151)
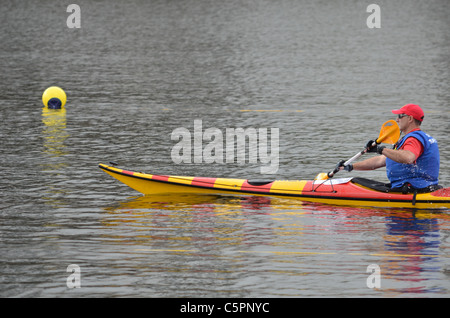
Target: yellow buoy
(54,98)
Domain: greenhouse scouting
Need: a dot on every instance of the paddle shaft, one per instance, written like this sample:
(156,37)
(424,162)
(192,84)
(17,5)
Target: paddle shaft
(389,133)
(349,161)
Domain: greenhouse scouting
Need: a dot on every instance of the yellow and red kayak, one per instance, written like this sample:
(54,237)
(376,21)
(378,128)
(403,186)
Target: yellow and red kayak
(343,191)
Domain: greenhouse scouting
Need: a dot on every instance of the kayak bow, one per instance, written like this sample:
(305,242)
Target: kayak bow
(344,191)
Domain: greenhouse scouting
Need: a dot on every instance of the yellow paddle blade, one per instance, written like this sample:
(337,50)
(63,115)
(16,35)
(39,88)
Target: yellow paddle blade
(322,176)
(389,133)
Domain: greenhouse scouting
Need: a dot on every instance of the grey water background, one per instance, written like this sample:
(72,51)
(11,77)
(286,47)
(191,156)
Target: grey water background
(137,70)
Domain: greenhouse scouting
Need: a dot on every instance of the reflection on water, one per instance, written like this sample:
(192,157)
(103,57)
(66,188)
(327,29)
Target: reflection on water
(54,135)
(417,236)
(54,132)
(208,218)
(274,239)
(413,235)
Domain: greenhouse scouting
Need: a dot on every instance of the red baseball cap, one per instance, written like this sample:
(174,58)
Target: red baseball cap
(411,110)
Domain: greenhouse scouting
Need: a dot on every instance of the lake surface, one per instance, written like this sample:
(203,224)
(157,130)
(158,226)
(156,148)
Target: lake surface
(137,70)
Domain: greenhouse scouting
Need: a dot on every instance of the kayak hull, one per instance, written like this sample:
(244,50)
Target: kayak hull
(333,191)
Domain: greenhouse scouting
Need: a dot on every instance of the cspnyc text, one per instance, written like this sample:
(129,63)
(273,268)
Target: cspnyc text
(229,307)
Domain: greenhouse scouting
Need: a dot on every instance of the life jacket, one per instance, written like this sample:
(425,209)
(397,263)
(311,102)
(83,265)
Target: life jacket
(421,174)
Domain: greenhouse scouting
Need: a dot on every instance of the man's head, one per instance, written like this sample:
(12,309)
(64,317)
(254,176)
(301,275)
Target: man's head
(409,117)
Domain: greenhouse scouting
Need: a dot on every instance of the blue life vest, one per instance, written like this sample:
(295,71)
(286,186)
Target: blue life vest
(421,174)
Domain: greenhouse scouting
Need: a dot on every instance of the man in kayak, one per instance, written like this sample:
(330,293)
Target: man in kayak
(413,163)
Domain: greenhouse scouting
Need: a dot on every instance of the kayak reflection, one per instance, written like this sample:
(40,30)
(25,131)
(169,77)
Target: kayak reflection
(411,248)
(224,216)
(283,237)
(406,223)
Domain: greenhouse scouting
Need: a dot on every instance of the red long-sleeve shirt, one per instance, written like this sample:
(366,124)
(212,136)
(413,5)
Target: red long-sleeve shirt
(413,145)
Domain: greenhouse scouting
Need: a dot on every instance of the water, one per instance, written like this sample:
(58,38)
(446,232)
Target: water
(137,70)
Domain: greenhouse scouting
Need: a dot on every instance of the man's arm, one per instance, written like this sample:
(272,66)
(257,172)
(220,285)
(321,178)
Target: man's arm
(371,163)
(412,150)
(401,156)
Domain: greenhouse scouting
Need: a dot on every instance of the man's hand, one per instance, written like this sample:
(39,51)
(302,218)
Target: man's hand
(374,148)
(341,166)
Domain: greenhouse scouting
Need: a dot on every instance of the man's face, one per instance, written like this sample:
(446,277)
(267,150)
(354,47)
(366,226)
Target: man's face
(403,121)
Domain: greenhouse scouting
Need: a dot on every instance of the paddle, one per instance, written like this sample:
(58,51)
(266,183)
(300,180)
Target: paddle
(389,134)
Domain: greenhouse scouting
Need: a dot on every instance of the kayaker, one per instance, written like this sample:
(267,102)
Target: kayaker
(413,163)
